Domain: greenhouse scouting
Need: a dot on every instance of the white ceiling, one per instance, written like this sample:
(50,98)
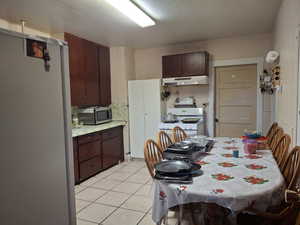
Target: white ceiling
(177,20)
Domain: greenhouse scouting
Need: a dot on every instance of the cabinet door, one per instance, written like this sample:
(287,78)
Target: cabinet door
(195,64)
(113,149)
(104,75)
(90,167)
(91,71)
(172,66)
(76,64)
(75,156)
(137,117)
(152,108)
(89,150)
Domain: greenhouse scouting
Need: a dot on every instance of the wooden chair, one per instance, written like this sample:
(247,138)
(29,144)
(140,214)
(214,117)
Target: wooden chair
(164,140)
(276,137)
(153,154)
(179,134)
(271,132)
(284,214)
(281,150)
(291,169)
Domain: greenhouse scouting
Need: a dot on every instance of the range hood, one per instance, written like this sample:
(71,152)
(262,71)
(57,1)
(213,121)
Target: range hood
(183,81)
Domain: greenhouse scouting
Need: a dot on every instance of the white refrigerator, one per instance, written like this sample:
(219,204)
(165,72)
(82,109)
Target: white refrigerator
(36,169)
(145,110)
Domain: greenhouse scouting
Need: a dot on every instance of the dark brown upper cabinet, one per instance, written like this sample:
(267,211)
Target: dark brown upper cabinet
(105,80)
(172,65)
(188,64)
(76,64)
(89,72)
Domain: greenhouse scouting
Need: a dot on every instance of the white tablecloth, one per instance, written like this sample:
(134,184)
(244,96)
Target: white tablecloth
(234,183)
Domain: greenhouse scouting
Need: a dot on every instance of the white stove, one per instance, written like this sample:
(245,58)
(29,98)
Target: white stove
(191,129)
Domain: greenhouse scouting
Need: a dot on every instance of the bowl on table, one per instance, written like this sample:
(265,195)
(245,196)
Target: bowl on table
(252,135)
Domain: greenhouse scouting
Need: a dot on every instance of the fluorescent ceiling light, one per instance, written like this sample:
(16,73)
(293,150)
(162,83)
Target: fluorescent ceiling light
(129,9)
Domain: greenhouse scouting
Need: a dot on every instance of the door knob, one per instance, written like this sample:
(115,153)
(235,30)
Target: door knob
(216,120)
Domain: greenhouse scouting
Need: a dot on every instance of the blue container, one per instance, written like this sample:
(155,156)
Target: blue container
(235,153)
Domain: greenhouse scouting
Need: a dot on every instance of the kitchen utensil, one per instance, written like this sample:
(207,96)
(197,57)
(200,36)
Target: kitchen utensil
(190,120)
(170,121)
(193,170)
(176,180)
(180,149)
(173,166)
(198,140)
(171,117)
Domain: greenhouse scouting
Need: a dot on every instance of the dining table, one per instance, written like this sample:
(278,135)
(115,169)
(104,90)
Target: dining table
(235,183)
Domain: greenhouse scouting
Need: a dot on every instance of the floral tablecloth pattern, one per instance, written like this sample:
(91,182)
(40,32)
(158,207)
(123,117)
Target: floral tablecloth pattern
(233,183)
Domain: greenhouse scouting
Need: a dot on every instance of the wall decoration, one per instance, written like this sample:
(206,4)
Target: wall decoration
(35,48)
(276,76)
(165,94)
(266,85)
(38,49)
(270,79)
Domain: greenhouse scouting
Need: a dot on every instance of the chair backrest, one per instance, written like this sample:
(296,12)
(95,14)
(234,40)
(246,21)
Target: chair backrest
(164,140)
(281,150)
(271,132)
(153,154)
(276,137)
(291,169)
(179,134)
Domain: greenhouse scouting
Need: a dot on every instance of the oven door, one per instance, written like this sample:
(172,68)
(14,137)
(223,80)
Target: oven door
(103,116)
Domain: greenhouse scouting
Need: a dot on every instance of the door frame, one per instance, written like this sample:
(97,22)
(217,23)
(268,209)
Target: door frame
(259,62)
(298,89)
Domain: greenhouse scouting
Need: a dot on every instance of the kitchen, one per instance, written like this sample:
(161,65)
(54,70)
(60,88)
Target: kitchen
(127,84)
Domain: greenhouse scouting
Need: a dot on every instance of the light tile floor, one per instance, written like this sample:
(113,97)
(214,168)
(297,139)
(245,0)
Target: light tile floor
(119,195)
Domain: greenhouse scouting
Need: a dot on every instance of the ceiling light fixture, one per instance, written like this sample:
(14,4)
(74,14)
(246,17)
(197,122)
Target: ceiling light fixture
(130,10)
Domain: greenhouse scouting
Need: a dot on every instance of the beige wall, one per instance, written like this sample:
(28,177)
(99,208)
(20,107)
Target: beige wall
(17,27)
(285,42)
(148,61)
(122,70)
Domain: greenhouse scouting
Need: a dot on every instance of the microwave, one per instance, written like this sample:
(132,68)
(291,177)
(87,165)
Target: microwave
(95,115)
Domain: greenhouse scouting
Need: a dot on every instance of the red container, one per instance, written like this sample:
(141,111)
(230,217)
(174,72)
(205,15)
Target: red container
(250,146)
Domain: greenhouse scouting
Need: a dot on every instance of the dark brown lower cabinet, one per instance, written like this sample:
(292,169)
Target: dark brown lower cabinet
(90,167)
(97,151)
(89,150)
(111,152)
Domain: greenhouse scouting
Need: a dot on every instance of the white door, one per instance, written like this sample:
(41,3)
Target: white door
(236,100)
(298,110)
(152,108)
(144,113)
(136,118)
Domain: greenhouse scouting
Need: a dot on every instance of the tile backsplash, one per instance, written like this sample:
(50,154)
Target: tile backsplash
(120,111)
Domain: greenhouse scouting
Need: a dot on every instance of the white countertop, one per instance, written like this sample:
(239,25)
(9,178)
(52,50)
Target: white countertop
(95,128)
